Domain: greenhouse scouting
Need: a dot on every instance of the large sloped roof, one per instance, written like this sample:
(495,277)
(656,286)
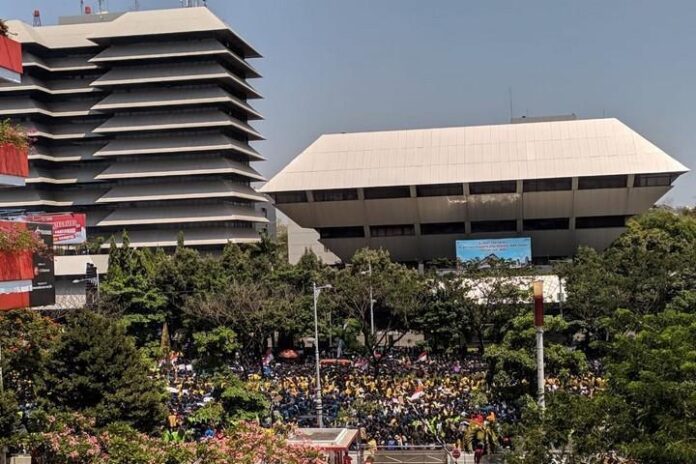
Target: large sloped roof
(128,24)
(590,147)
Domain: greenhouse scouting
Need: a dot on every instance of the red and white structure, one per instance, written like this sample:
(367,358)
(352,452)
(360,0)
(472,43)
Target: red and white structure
(10,60)
(14,167)
(538,292)
(16,267)
(16,272)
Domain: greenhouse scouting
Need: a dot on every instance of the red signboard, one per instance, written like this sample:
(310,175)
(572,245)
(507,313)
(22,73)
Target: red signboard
(15,300)
(30,274)
(16,266)
(13,161)
(10,59)
(68,228)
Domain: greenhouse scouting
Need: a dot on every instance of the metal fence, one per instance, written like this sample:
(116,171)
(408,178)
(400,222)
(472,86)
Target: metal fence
(430,454)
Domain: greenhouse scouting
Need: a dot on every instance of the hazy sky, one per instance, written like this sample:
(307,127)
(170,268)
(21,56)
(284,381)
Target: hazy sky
(349,65)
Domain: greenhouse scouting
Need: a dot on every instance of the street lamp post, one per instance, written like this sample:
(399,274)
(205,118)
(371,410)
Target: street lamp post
(319,407)
(372,300)
(2,383)
(539,324)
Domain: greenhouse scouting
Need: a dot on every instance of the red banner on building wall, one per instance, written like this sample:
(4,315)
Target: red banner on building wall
(68,228)
(15,300)
(10,59)
(27,278)
(13,161)
(16,266)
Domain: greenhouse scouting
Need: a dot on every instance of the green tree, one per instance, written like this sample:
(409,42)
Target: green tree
(574,426)
(253,310)
(499,293)
(648,410)
(215,349)
(512,363)
(129,292)
(232,401)
(96,369)
(445,318)
(400,296)
(648,266)
(26,338)
(9,415)
(652,374)
(655,259)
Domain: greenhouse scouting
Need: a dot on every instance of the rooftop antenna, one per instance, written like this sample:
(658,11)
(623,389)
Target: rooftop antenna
(510,100)
(136,5)
(101,6)
(37,18)
(82,7)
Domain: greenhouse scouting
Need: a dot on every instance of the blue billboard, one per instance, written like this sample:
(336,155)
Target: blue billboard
(517,251)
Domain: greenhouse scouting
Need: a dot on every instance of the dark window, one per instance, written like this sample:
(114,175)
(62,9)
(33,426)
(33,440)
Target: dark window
(602,182)
(546,224)
(443,228)
(654,180)
(290,197)
(441,190)
(599,222)
(482,188)
(392,230)
(375,193)
(547,185)
(335,195)
(342,232)
(494,226)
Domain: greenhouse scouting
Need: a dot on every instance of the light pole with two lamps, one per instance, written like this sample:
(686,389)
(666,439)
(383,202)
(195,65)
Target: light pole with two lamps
(372,299)
(319,408)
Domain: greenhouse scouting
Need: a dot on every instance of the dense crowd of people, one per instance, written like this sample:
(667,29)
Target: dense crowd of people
(408,403)
(412,400)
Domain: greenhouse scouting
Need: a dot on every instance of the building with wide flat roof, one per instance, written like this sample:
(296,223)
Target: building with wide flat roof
(564,183)
(302,240)
(141,121)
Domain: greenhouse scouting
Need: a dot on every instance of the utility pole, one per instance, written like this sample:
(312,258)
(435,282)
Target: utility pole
(539,324)
(2,383)
(319,407)
(372,300)
(372,304)
(3,450)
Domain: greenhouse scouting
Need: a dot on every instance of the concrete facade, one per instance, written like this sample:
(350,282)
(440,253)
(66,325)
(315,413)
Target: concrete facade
(415,192)
(141,121)
(302,239)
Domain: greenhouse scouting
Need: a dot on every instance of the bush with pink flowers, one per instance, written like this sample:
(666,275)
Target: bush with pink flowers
(74,440)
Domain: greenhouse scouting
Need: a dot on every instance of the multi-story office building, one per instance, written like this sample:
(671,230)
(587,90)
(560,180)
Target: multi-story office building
(141,121)
(564,183)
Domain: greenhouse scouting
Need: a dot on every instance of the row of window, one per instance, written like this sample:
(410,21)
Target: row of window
(480,188)
(442,228)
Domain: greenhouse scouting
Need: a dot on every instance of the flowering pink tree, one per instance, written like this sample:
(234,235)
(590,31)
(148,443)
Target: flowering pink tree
(247,443)
(252,444)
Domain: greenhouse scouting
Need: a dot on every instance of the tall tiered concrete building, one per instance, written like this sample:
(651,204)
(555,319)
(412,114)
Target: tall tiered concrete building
(141,120)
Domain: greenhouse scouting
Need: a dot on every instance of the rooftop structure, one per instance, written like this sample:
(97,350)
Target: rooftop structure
(141,121)
(563,183)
